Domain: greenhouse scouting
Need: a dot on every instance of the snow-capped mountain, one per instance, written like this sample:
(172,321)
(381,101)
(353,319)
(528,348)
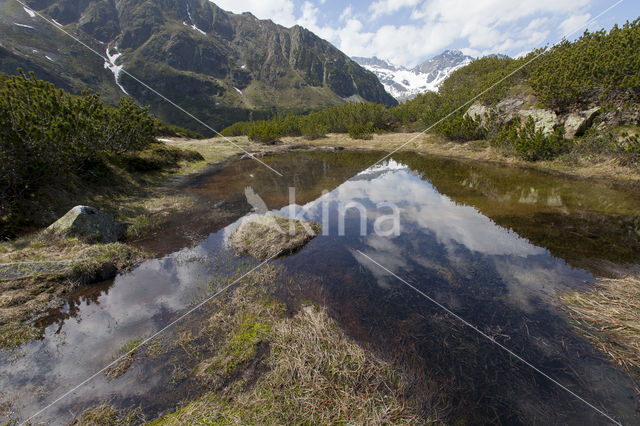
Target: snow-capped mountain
(403,83)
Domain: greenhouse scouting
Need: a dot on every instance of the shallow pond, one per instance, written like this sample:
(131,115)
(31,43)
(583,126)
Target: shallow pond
(495,245)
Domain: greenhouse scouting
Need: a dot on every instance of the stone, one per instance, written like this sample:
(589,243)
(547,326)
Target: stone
(88,224)
(576,123)
(545,120)
(479,112)
(265,237)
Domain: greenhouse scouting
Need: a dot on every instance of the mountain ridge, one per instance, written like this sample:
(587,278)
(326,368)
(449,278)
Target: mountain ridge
(404,83)
(221,66)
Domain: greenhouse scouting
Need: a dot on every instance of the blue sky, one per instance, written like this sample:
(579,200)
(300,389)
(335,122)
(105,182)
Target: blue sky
(406,32)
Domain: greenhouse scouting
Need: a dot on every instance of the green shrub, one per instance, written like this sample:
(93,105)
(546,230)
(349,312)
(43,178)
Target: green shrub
(631,149)
(314,130)
(289,125)
(361,131)
(460,128)
(241,128)
(130,128)
(599,64)
(48,136)
(531,144)
(266,132)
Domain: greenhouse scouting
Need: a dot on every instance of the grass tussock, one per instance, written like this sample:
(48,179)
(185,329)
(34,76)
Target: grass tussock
(264,237)
(273,369)
(26,299)
(609,316)
(107,415)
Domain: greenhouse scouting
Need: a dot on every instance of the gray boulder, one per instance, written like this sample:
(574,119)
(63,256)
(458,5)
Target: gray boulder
(88,224)
(479,112)
(545,120)
(576,123)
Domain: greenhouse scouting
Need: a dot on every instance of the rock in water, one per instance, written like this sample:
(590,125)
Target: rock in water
(88,224)
(264,237)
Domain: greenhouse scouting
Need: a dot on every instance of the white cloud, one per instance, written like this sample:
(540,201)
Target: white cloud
(429,26)
(279,11)
(346,13)
(387,7)
(574,24)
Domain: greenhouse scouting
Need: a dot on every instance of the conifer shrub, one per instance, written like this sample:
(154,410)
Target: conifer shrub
(49,137)
(361,131)
(267,132)
(460,128)
(313,129)
(531,144)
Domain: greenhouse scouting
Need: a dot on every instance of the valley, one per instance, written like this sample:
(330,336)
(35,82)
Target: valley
(456,242)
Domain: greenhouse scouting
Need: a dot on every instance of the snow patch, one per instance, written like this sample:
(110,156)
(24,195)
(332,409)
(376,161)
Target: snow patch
(198,29)
(403,83)
(194,27)
(243,67)
(30,12)
(57,23)
(49,59)
(238,90)
(164,140)
(189,13)
(116,69)
(23,25)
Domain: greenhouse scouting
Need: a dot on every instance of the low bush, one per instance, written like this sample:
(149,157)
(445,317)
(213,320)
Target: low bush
(361,131)
(460,128)
(50,139)
(312,131)
(266,132)
(631,149)
(531,144)
(241,128)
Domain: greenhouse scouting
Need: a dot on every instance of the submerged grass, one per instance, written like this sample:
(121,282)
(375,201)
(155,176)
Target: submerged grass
(609,316)
(270,368)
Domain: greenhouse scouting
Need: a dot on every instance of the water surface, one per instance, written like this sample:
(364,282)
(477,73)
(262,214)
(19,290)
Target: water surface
(495,245)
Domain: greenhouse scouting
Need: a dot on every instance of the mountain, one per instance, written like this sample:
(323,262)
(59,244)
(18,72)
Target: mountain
(405,83)
(222,67)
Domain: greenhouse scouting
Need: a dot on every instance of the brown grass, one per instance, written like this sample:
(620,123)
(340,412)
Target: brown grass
(264,237)
(609,316)
(106,415)
(24,300)
(274,369)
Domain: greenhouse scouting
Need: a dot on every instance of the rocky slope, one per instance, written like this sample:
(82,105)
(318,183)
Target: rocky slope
(221,66)
(403,83)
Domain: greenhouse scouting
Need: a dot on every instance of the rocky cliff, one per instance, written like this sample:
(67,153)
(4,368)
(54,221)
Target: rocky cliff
(221,66)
